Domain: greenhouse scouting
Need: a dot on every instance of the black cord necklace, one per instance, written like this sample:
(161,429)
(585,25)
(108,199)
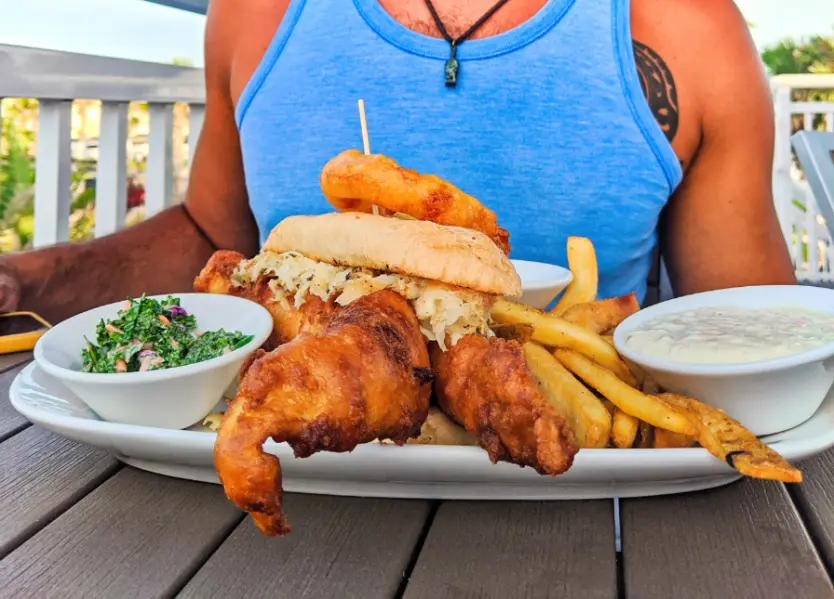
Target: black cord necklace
(452,66)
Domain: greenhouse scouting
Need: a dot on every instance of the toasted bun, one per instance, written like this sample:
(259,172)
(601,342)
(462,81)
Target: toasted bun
(451,255)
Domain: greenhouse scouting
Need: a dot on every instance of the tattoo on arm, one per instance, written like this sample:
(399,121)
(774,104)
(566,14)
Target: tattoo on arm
(658,87)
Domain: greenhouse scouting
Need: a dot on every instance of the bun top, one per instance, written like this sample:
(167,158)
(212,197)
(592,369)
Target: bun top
(451,255)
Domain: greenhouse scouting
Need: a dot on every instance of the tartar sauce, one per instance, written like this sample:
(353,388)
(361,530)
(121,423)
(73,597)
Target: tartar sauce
(732,335)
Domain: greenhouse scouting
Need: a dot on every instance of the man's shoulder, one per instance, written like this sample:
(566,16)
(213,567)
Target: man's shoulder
(702,53)
(240,7)
(716,12)
(698,30)
(237,36)
(232,20)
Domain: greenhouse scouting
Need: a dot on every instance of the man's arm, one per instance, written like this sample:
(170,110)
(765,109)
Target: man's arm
(720,227)
(156,256)
(164,253)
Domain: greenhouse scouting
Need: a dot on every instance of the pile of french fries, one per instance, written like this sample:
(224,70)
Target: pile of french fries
(609,402)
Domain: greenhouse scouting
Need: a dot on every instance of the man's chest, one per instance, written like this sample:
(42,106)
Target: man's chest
(666,80)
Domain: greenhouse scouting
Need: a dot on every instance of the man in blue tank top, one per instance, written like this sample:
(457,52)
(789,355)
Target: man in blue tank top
(629,123)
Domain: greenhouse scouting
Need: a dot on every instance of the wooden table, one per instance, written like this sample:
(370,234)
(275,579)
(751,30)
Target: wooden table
(74,522)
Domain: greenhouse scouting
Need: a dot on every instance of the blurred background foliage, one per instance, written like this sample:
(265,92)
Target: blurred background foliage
(18,153)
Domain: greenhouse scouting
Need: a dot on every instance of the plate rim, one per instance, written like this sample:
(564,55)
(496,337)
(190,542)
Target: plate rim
(804,447)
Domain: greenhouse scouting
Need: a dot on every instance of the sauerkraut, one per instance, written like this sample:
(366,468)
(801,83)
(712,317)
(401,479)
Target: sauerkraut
(446,314)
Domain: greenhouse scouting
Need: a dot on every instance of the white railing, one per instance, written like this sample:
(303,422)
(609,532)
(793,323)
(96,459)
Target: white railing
(808,237)
(58,78)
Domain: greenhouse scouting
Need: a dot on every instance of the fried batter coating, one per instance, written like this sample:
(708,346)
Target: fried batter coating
(355,182)
(485,385)
(727,440)
(288,321)
(366,376)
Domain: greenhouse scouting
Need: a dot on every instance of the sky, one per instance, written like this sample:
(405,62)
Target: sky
(145,31)
(119,28)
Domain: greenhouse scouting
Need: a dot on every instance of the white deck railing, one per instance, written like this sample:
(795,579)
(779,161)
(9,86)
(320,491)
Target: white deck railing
(808,237)
(58,78)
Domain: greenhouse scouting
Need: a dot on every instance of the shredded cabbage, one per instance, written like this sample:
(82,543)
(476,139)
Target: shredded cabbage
(446,314)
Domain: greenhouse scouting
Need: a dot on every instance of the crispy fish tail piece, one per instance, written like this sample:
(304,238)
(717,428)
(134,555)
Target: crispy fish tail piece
(727,440)
(366,376)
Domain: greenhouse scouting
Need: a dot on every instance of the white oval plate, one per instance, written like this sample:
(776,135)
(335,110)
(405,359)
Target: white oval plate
(412,471)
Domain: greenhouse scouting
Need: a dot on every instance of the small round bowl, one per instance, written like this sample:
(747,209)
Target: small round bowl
(767,396)
(540,282)
(172,398)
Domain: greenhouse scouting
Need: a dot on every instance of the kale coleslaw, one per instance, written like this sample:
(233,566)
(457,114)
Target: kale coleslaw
(149,334)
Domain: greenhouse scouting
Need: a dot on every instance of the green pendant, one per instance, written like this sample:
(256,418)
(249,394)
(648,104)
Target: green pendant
(452,67)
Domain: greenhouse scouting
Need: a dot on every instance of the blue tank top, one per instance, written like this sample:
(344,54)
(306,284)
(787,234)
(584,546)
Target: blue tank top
(547,125)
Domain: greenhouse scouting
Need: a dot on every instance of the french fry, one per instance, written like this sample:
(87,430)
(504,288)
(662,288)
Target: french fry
(664,439)
(603,315)
(519,331)
(587,417)
(582,261)
(638,373)
(211,423)
(727,440)
(645,435)
(439,429)
(623,429)
(647,408)
(553,331)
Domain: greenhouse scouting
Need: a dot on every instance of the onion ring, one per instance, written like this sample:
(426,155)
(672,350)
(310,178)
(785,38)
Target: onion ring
(356,182)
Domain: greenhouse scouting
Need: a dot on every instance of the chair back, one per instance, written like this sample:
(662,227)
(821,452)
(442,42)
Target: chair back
(815,150)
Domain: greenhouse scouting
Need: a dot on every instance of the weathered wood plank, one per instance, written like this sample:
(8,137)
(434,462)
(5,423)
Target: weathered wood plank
(11,421)
(514,549)
(339,547)
(743,540)
(137,535)
(815,500)
(8,361)
(41,475)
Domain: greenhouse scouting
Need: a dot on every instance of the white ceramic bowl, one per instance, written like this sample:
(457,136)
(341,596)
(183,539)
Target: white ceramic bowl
(540,282)
(173,398)
(768,396)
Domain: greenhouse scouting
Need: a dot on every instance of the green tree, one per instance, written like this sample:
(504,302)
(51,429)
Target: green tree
(16,170)
(815,55)
(17,175)
(17,179)
(182,62)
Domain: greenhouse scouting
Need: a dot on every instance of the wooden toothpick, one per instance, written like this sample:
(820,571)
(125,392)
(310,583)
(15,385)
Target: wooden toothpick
(365,142)
(364,124)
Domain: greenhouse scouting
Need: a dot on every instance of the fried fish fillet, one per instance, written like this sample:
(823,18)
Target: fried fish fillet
(366,376)
(355,182)
(313,315)
(485,385)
